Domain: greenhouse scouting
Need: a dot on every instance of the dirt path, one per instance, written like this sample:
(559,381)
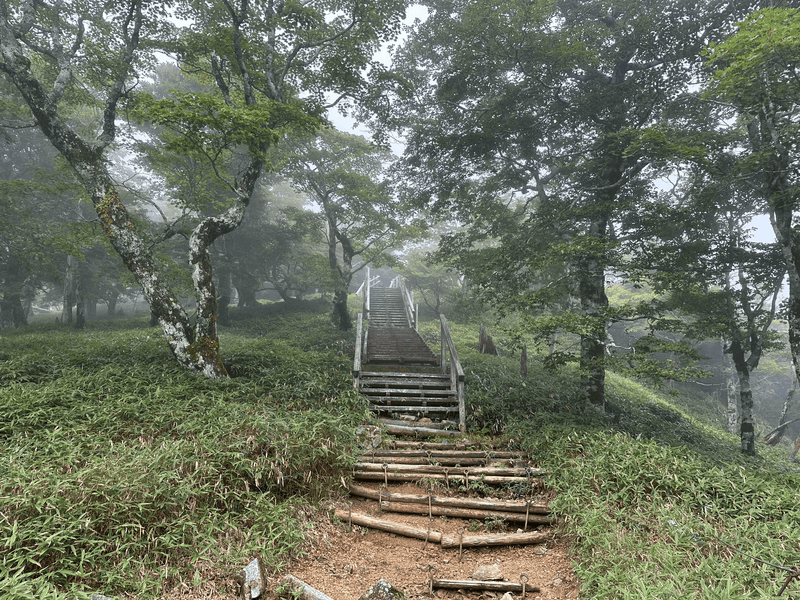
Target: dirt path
(344,561)
(343,564)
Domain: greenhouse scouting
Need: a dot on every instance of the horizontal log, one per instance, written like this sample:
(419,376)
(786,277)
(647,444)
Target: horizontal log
(460,445)
(499,539)
(420,431)
(489,586)
(389,476)
(449,453)
(450,471)
(391,527)
(413,460)
(503,505)
(293,587)
(464,513)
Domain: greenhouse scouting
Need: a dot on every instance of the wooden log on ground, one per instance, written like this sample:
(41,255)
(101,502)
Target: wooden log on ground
(499,539)
(291,585)
(451,471)
(503,505)
(488,454)
(457,445)
(383,525)
(412,460)
(489,586)
(406,477)
(420,431)
(464,513)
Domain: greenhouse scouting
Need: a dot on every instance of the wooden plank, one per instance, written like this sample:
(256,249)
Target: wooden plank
(420,431)
(499,539)
(503,505)
(487,479)
(447,453)
(426,461)
(465,513)
(451,471)
(406,375)
(390,526)
(376,391)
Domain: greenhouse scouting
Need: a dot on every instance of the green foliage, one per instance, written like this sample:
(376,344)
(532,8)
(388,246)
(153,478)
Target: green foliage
(120,477)
(203,124)
(765,49)
(651,499)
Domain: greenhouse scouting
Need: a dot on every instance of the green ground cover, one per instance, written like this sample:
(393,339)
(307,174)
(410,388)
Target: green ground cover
(118,471)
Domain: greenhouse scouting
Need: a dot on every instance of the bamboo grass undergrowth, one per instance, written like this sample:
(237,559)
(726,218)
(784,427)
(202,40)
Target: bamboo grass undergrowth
(657,504)
(119,471)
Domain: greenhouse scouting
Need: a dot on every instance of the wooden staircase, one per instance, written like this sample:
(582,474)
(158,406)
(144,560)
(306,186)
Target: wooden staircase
(403,378)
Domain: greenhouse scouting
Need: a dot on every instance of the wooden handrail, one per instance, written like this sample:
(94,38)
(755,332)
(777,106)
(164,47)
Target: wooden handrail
(367,293)
(357,359)
(457,383)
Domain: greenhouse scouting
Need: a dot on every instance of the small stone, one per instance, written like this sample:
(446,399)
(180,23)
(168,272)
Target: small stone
(252,580)
(369,436)
(519,530)
(383,590)
(557,581)
(487,573)
(100,597)
(446,561)
(507,596)
(540,550)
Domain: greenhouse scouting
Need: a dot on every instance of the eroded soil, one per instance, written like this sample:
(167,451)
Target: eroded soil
(343,561)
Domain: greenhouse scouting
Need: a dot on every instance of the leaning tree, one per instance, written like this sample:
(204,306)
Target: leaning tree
(260,58)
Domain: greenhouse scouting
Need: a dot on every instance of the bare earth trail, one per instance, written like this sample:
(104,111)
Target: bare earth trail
(344,561)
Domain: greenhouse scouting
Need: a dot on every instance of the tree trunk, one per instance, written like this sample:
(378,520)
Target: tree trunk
(80,298)
(196,349)
(747,429)
(732,396)
(69,290)
(246,286)
(592,361)
(225,292)
(111,303)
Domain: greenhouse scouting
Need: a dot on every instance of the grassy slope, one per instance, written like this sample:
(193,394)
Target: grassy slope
(118,471)
(654,499)
(108,448)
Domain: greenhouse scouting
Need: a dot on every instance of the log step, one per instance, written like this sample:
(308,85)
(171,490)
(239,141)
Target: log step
(451,471)
(426,499)
(409,477)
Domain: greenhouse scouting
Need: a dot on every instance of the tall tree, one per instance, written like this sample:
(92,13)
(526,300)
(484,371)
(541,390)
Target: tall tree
(342,174)
(524,120)
(258,55)
(757,71)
